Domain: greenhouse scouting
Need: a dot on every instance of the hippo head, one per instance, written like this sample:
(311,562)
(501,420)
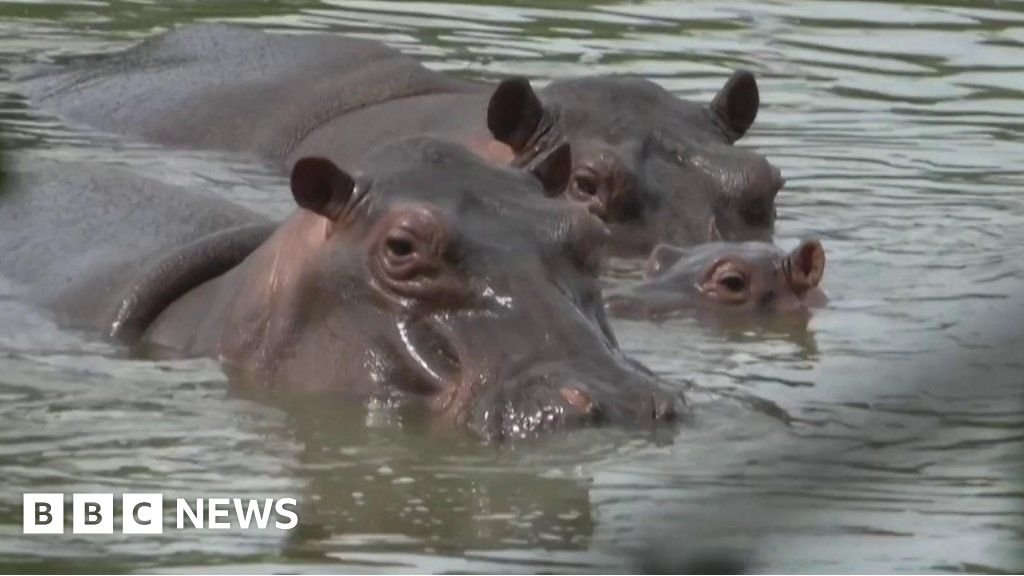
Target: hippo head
(747,277)
(654,167)
(432,274)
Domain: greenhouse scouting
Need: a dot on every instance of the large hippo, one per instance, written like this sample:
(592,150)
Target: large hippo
(429,274)
(724,277)
(656,168)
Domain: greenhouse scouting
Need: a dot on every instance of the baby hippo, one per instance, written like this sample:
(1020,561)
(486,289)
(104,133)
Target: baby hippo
(732,277)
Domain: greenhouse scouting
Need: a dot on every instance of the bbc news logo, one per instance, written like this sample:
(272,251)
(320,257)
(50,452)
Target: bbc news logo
(144,513)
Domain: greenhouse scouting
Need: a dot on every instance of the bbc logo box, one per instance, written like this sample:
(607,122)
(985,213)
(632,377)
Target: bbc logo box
(92,513)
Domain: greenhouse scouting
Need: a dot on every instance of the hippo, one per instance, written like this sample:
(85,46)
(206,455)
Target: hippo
(427,276)
(654,167)
(725,277)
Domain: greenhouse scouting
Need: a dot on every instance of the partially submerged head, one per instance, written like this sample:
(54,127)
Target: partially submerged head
(654,167)
(726,277)
(433,274)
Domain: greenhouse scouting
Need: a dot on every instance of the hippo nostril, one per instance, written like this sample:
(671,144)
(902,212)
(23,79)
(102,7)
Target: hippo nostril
(577,399)
(586,410)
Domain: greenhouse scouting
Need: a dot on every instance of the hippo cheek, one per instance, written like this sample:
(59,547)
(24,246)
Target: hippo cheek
(431,354)
(785,303)
(815,298)
(789,302)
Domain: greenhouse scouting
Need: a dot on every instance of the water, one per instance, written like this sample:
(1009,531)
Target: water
(884,436)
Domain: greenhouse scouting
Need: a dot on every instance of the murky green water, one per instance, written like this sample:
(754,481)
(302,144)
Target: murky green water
(886,436)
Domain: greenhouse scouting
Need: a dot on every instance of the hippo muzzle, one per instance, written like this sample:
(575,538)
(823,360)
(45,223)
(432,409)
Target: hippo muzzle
(533,363)
(552,397)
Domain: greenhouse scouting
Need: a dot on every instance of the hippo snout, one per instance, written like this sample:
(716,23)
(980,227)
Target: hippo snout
(538,403)
(606,401)
(760,183)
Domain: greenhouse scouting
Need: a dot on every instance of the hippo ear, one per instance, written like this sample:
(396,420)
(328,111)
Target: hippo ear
(737,102)
(514,113)
(661,259)
(320,186)
(554,170)
(806,265)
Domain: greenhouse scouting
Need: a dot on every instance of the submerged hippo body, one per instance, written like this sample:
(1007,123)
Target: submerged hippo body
(95,244)
(427,275)
(656,168)
(724,277)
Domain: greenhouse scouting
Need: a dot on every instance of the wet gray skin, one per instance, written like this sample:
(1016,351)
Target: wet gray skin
(656,168)
(725,278)
(427,276)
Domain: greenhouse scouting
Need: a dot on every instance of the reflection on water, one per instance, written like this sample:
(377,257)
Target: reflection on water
(884,435)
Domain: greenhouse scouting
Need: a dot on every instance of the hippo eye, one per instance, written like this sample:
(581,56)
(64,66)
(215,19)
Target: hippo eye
(727,282)
(400,247)
(415,255)
(733,281)
(585,183)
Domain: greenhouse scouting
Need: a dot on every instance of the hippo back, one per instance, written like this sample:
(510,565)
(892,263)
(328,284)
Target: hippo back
(73,233)
(225,87)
